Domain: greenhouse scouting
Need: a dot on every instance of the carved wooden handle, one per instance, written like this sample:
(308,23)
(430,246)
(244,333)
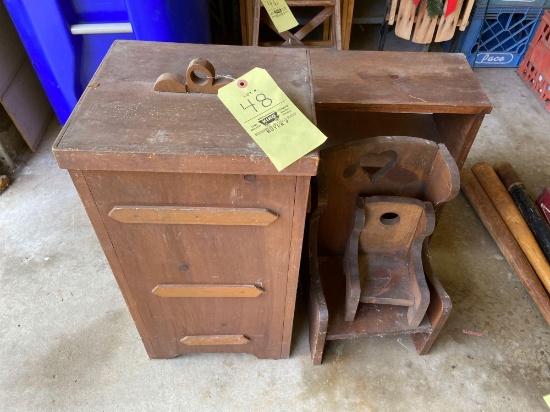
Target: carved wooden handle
(199,78)
(209,340)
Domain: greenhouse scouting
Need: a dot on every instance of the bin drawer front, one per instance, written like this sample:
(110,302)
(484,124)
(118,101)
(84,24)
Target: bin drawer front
(191,245)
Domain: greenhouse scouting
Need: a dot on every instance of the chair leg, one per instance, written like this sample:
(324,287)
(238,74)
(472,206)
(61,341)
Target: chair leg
(336,26)
(416,313)
(318,321)
(438,310)
(351,262)
(256,23)
(417,273)
(317,304)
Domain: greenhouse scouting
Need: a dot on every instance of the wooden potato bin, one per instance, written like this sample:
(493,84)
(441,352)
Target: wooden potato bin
(202,233)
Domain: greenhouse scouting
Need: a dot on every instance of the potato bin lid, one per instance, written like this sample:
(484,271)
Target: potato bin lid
(121,123)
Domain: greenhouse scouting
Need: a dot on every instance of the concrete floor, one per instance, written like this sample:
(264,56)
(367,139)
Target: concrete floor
(68,342)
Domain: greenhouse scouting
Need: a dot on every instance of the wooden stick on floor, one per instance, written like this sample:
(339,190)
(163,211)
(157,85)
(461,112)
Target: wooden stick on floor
(498,194)
(525,204)
(508,246)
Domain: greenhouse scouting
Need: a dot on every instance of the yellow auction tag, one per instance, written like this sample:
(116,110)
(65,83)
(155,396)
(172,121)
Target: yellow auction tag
(270,118)
(280,14)
(547,400)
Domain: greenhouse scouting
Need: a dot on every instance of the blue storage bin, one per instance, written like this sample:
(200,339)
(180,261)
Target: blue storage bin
(65,61)
(510,3)
(499,36)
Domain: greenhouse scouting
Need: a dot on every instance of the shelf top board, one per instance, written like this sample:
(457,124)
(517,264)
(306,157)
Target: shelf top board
(396,82)
(121,123)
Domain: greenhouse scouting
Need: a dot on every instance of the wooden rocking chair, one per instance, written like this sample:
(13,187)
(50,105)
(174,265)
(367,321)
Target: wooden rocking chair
(396,180)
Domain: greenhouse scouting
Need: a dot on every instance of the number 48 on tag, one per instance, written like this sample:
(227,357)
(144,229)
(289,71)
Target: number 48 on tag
(260,98)
(270,118)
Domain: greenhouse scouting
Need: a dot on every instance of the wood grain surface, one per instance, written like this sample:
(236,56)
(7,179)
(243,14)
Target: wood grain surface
(391,166)
(202,233)
(347,126)
(180,215)
(370,319)
(526,205)
(389,263)
(385,165)
(317,305)
(171,83)
(207,291)
(396,82)
(168,254)
(296,241)
(215,340)
(154,348)
(123,124)
(501,234)
(458,132)
(439,309)
(505,206)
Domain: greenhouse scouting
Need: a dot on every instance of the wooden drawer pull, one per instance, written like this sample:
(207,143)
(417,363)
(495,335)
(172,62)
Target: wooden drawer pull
(207,291)
(176,215)
(215,340)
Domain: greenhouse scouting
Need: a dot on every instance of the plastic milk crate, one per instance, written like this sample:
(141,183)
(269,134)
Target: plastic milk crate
(512,3)
(535,67)
(499,36)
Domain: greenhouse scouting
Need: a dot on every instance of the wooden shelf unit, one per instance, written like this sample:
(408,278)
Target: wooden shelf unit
(434,96)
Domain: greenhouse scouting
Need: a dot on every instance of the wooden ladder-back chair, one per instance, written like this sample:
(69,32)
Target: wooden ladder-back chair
(366,189)
(412,21)
(329,16)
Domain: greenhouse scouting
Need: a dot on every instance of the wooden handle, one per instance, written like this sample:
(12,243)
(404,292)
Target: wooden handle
(507,174)
(207,291)
(513,219)
(171,82)
(206,82)
(180,215)
(508,246)
(210,340)
(527,207)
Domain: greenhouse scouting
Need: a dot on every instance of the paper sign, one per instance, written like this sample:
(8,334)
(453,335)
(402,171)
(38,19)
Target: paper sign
(270,118)
(547,400)
(280,14)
